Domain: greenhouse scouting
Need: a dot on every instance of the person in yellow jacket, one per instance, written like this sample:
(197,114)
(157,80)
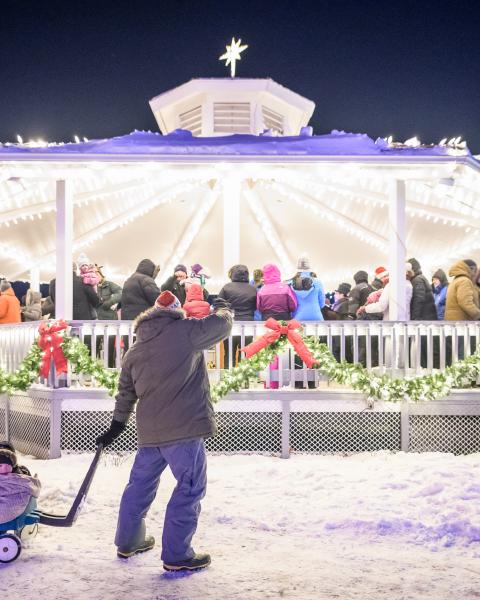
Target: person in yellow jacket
(9,304)
(463,302)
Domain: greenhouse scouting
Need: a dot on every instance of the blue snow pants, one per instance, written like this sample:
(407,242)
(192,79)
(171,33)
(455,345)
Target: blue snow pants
(188,463)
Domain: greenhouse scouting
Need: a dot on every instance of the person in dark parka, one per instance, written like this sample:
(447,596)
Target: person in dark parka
(359,293)
(422,305)
(242,297)
(84,299)
(140,290)
(176,283)
(165,370)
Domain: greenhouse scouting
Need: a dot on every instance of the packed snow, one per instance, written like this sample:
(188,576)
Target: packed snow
(366,526)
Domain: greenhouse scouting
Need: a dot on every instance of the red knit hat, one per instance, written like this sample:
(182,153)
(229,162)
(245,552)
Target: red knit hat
(381,273)
(167,300)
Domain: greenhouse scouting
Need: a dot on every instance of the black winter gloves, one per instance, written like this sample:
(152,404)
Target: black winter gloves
(116,428)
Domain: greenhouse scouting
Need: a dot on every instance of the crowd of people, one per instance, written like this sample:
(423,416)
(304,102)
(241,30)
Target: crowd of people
(260,296)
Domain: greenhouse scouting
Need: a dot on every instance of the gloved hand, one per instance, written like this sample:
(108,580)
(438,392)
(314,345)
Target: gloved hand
(116,428)
(221,303)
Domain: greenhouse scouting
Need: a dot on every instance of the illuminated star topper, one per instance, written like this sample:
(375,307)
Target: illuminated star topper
(233,54)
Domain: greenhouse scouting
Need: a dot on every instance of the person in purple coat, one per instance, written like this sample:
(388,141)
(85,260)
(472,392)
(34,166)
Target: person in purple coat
(275,299)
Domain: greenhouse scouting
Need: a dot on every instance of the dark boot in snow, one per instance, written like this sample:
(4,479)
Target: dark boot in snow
(148,544)
(198,561)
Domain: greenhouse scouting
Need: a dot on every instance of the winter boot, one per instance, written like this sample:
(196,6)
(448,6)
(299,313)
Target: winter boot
(198,561)
(148,544)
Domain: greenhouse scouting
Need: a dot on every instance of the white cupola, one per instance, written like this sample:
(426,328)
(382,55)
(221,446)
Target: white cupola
(218,107)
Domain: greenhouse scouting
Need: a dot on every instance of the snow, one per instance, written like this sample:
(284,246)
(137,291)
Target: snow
(182,143)
(366,526)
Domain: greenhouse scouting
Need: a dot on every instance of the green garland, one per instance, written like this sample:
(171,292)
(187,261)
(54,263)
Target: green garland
(248,369)
(25,375)
(79,358)
(375,387)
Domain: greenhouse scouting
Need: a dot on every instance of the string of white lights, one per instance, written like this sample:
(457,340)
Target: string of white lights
(318,208)
(190,233)
(269,231)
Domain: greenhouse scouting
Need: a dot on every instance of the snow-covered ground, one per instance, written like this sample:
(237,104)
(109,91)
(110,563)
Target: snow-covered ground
(369,526)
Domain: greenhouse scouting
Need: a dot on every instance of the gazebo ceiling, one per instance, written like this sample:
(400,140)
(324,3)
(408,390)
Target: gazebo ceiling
(332,207)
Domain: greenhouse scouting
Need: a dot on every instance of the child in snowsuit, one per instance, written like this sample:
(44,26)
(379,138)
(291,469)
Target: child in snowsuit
(195,306)
(88,271)
(18,492)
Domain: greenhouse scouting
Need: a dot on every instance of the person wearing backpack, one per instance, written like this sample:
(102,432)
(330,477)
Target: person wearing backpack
(308,290)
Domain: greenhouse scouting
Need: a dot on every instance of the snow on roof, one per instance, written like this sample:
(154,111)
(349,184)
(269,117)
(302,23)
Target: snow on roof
(183,143)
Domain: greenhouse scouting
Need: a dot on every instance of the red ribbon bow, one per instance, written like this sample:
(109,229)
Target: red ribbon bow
(277,330)
(50,341)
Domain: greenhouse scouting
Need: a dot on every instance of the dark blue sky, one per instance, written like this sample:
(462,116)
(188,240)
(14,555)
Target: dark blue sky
(379,67)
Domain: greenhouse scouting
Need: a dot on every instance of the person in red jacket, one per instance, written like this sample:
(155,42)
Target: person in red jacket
(195,306)
(9,304)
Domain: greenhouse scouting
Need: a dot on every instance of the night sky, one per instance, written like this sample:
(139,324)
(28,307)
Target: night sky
(89,68)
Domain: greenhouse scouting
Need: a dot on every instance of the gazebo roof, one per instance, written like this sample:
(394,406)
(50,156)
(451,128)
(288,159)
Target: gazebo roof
(182,143)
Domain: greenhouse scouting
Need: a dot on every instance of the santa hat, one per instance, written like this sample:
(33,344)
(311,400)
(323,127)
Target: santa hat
(381,273)
(8,461)
(167,300)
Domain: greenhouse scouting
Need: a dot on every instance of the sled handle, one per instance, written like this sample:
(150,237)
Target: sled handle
(69,519)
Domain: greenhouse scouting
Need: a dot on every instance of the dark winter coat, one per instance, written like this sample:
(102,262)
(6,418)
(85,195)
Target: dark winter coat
(359,293)
(341,308)
(422,306)
(139,291)
(178,289)
(85,299)
(241,294)
(165,369)
(195,306)
(462,295)
(110,294)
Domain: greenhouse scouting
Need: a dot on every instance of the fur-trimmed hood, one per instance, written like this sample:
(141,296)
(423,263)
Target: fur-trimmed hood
(153,321)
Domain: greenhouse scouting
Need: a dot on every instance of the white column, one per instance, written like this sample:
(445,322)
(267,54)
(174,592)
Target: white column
(35,279)
(397,251)
(231,189)
(64,244)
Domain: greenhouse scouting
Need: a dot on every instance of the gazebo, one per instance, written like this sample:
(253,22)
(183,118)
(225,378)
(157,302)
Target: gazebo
(236,176)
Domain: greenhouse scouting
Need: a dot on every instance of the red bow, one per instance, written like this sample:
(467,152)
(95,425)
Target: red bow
(277,330)
(50,341)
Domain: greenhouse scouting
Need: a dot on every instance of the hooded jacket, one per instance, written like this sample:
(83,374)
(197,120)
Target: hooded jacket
(9,307)
(32,311)
(422,306)
(462,296)
(359,293)
(165,370)
(241,294)
(275,299)
(140,290)
(195,306)
(309,302)
(110,294)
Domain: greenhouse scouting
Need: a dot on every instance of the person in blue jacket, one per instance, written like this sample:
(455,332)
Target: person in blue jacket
(440,287)
(309,292)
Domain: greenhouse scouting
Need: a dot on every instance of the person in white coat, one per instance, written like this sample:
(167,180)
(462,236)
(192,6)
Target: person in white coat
(382,305)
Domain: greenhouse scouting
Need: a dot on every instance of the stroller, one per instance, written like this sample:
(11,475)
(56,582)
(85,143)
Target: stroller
(14,534)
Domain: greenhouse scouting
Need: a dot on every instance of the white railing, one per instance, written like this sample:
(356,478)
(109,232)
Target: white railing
(388,347)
